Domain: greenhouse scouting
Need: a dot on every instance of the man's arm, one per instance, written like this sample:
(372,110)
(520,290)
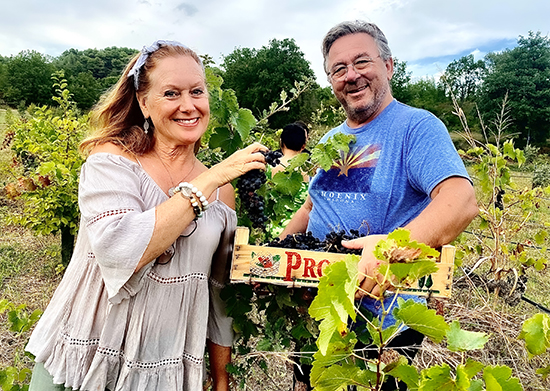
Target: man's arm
(452,208)
(299,221)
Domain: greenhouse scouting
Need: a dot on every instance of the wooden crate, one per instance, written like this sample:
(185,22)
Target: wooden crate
(302,268)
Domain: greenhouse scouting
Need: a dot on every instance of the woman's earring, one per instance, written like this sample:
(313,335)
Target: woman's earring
(146,125)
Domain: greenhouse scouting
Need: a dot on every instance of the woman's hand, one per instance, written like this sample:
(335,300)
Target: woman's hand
(370,281)
(240,162)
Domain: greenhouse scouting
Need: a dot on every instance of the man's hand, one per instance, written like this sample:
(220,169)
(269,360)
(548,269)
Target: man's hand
(371,283)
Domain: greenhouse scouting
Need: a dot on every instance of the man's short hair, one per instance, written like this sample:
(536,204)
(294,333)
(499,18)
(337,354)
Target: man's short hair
(355,27)
(294,136)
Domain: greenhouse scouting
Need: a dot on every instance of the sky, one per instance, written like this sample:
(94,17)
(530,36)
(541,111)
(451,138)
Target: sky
(427,34)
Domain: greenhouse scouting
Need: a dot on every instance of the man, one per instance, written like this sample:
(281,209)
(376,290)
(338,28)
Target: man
(402,171)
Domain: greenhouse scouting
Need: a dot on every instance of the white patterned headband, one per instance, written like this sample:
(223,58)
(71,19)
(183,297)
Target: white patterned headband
(145,53)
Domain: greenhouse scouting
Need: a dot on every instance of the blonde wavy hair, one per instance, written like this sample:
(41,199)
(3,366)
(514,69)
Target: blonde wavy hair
(117,117)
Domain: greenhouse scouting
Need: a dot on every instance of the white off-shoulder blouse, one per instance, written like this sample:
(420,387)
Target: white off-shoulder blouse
(107,327)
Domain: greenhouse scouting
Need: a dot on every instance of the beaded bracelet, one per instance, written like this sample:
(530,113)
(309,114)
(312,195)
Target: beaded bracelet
(198,200)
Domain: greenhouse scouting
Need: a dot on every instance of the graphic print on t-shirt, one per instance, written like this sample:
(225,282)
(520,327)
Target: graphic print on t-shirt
(352,173)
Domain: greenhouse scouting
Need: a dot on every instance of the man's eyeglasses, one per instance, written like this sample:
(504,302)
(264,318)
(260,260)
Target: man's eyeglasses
(361,65)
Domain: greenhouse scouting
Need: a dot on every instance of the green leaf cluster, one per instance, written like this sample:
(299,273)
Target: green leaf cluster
(535,332)
(324,154)
(338,364)
(14,379)
(18,317)
(46,150)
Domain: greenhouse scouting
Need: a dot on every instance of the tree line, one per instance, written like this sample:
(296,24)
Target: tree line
(257,76)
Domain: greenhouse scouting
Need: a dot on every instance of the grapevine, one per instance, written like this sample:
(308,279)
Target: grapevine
(248,185)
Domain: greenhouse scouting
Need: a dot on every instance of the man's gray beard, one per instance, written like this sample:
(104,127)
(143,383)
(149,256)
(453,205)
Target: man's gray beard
(363,114)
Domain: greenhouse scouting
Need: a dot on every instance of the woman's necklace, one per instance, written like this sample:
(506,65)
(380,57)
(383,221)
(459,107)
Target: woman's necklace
(171,190)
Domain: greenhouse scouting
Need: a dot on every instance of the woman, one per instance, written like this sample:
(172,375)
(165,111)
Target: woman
(132,311)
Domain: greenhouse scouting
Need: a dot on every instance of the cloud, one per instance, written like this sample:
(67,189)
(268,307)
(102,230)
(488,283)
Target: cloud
(188,9)
(425,33)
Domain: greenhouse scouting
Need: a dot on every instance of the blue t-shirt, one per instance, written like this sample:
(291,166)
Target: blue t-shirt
(386,178)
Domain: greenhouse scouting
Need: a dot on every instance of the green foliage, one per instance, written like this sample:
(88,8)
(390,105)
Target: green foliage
(230,125)
(522,73)
(13,379)
(504,210)
(401,81)
(338,365)
(329,112)
(536,333)
(459,340)
(324,154)
(463,77)
(541,175)
(336,304)
(258,75)
(28,79)
(253,310)
(424,320)
(18,317)
(46,150)
(19,321)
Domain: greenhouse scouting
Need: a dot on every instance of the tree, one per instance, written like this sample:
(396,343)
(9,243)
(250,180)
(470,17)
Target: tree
(258,75)
(463,77)
(400,81)
(28,79)
(91,72)
(3,77)
(101,63)
(524,74)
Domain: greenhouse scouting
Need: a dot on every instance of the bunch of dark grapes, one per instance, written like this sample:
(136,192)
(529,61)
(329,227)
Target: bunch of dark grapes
(249,183)
(306,241)
(272,158)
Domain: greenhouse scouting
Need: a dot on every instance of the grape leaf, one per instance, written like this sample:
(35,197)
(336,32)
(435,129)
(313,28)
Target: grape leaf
(338,377)
(335,299)
(244,122)
(544,372)
(324,154)
(472,367)
(438,378)
(297,161)
(476,385)
(418,317)
(222,138)
(401,238)
(536,333)
(498,378)
(408,374)
(459,340)
(288,183)
(340,348)
(374,331)
(409,272)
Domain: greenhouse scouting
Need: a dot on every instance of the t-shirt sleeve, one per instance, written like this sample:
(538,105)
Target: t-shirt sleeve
(431,155)
(118,225)
(220,325)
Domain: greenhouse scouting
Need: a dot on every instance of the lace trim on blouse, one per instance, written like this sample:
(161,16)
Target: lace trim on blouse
(109,213)
(79,342)
(176,280)
(128,363)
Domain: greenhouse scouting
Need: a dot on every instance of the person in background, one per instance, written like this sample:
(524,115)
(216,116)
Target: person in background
(292,143)
(402,170)
(141,293)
